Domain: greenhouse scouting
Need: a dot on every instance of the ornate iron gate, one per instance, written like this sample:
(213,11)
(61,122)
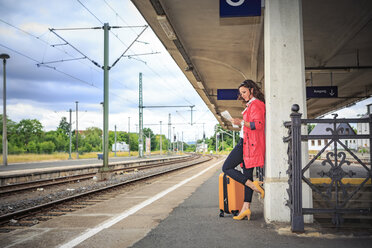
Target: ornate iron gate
(337,194)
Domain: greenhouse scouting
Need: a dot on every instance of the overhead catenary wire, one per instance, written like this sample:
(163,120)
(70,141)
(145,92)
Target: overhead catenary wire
(62,72)
(90,12)
(55,46)
(141,60)
(117,60)
(43,41)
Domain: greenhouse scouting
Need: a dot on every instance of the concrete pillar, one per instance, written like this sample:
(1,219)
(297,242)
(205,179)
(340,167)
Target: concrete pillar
(284,86)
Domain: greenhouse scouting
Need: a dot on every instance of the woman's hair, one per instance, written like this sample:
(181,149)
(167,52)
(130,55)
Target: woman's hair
(249,84)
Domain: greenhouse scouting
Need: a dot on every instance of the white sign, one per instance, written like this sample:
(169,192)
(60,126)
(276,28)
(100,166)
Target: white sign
(235,4)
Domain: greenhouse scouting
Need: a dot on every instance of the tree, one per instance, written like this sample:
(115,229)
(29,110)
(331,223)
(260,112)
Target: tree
(64,126)
(28,130)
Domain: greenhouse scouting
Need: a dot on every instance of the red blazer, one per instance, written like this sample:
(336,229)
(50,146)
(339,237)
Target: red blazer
(254,137)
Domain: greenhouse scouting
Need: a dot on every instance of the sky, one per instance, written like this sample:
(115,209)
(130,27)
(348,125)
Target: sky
(46,76)
(42,86)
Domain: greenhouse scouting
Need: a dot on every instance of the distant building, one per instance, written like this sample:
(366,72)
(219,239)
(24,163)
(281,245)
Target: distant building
(321,129)
(363,128)
(201,147)
(120,147)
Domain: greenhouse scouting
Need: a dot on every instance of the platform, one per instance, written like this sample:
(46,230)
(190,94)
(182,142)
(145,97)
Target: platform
(33,171)
(177,210)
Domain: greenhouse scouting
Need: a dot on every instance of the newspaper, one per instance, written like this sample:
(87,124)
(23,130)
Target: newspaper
(225,114)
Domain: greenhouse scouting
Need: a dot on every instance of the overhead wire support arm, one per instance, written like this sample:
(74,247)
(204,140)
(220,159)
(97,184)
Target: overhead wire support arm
(168,106)
(94,62)
(57,61)
(117,60)
(65,29)
(140,54)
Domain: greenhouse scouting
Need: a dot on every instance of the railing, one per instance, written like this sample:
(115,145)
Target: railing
(337,194)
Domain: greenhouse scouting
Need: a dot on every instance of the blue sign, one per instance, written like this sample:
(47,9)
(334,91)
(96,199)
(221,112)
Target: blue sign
(322,92)
(227,94)
(239,8)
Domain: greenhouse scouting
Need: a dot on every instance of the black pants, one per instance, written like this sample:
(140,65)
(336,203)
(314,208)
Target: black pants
(235,158)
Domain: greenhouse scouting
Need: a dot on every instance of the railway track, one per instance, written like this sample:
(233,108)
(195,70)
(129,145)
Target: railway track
(19,187)
(33,215)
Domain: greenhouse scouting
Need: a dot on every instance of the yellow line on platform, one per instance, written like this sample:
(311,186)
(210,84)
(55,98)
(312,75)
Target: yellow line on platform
(344,180)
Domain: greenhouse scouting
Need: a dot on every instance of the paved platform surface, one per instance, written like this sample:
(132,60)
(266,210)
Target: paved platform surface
(187,216)
(196,223)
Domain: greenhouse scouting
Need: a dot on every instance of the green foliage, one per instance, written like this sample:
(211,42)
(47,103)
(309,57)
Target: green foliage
(47,147)
(33,147)
(310,128)
(28,136)
(64,126)
(28,130)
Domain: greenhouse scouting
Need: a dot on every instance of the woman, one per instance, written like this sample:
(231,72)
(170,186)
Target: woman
(250,150)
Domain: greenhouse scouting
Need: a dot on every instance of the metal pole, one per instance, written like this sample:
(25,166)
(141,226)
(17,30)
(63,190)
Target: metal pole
(174,139)
(370,136)
(5,139)
(297,218)
(129,135)
(182,143)
(169,134)
(233,138)
(69,150)
(102,141)
(160,140)
(106,29)
(77,131)
(178,138)
(115,140)
(203,140)
(216,141)
(222,140)
(140,110)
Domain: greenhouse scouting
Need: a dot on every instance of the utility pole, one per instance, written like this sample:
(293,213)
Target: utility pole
(106,29)
(77,131)
(160,140)
(115,140)
(178,139)
(140,111)
(222,140)
(233,138)
(103,142)
(174,139)
(203,140)
(216,141)
(169,134)
(182,143)
(69,150)
(4,56)
(129,135)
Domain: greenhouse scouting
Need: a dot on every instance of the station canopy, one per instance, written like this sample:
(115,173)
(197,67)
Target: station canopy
(219,53)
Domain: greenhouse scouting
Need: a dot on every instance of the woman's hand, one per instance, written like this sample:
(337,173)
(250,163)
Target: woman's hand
(236,121)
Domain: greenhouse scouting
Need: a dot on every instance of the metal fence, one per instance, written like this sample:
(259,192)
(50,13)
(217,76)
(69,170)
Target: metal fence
(337,194)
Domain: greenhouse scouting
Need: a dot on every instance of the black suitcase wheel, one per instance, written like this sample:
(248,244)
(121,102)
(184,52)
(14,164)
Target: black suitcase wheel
(222,214)
(235,212)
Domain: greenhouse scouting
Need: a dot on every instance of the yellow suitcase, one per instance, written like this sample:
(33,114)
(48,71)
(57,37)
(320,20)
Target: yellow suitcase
(231,195)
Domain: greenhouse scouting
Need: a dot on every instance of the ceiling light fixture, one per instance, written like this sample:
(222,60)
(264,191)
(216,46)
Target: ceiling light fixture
(200,85)
(167,27)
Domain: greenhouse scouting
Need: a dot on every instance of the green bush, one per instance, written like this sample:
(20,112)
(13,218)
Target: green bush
(32,147)
(47,147)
